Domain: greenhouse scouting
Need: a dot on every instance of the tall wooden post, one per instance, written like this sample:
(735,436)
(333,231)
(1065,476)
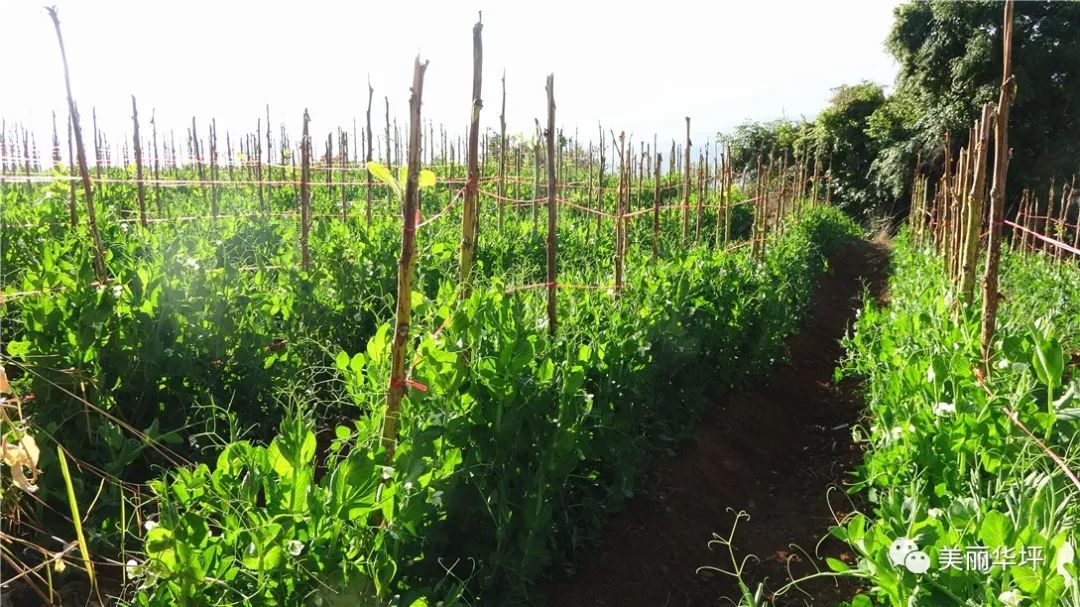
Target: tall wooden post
(537,152)
(600,182)
(721,211)
(305,195)
(343,153)
(997,188)
(686,185)
(72,208)
(469,218)
(729,178)
(140,191)
(656,208)
(389,158)
(269,163)
(406,264)
(973,220)
(99,250)
(55,142)
(552,242)
(502,152)
(157,167)
(700,201)
(370,150)
(213,169)
(229,154)
(624,188)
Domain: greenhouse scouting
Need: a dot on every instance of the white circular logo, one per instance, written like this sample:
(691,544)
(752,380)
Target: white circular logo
(917,562)
(900,548)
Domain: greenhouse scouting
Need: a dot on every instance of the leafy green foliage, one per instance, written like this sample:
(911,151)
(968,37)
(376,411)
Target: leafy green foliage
(249,393)
(945,464)
(509,461)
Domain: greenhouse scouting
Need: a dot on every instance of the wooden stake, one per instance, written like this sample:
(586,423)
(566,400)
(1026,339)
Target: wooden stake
(624,187)
(305,195)
(140,192)
(370,151)
(88,193)
(656,208)
(552,242)
(72,207)
(686,185)
(502,152)
(157,167)
(213,170)
(976,202)
(997,189)
(406,263)
(469,218)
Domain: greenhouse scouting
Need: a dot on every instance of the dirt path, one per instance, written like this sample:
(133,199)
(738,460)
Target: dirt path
(772,450)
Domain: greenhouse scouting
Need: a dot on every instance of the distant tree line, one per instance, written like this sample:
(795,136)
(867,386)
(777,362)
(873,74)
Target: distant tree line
(950,64)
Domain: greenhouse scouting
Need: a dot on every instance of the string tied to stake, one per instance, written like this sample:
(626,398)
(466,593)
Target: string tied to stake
(408,383)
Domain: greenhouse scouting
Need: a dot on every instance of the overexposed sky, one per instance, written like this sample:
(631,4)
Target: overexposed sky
(633,67)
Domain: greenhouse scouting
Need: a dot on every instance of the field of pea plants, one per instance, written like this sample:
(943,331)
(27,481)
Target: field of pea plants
(282,379)
(404,367)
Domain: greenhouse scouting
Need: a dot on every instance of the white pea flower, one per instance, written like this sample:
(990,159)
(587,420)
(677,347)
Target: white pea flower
(942,409)
(1010,598)
(935,512)
(295,547)
(117,290)
(150,524)
(132,568)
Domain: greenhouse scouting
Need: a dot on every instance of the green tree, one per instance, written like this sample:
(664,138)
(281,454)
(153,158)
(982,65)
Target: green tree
(950,64)
(841,131)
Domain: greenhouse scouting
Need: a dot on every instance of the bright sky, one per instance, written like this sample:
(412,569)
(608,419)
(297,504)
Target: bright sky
(634,69)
